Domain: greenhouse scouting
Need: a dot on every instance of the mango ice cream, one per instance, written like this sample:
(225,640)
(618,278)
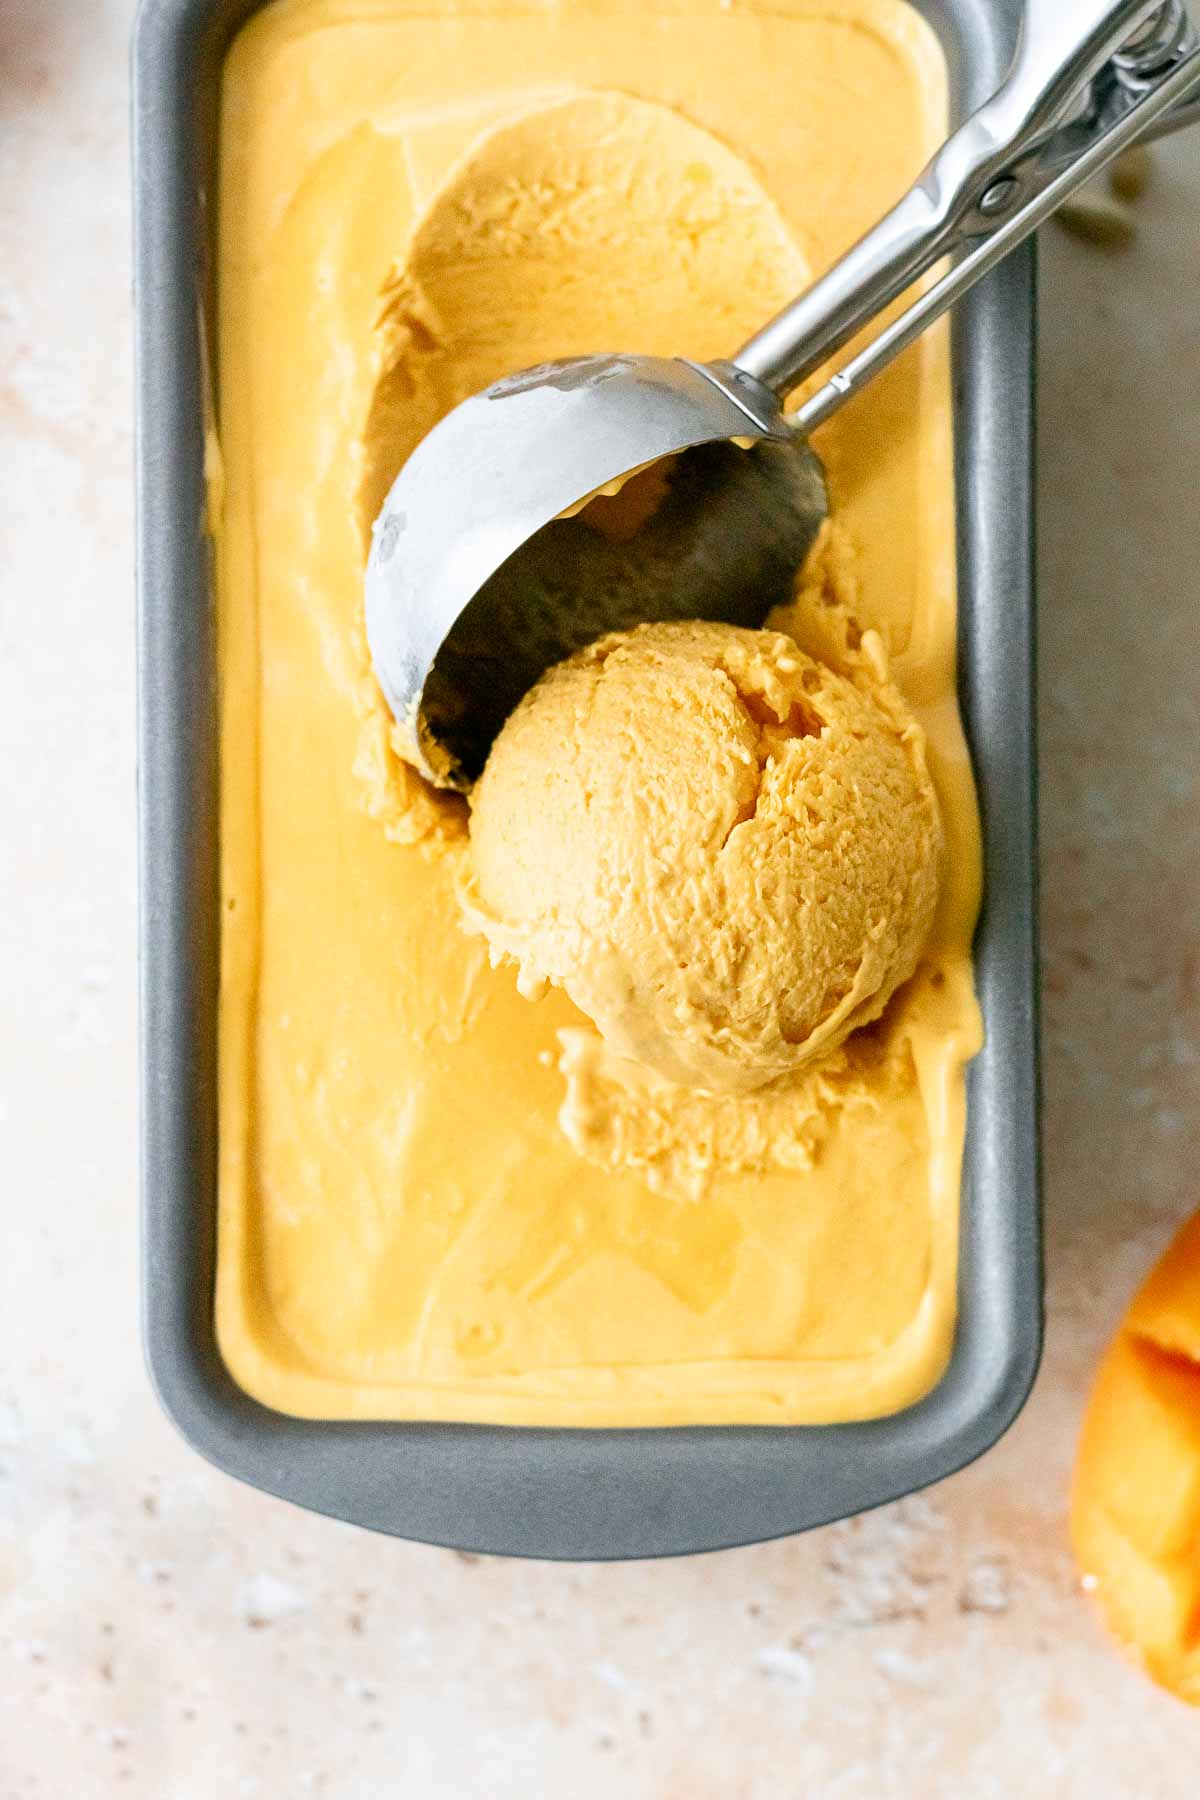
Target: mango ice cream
(437,1199)
(725,853)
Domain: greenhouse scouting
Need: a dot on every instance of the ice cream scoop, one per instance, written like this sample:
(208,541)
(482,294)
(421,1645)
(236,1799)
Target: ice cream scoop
(481,575)
(726,853)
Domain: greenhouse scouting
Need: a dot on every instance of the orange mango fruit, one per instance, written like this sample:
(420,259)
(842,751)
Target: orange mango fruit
(1135,1504)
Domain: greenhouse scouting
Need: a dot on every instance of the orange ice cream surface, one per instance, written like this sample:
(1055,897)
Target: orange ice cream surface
(438,1199)
(1135,1513)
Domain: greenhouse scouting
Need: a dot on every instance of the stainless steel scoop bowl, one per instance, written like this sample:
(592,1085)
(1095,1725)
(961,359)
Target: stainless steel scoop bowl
(481,573)
(475,583)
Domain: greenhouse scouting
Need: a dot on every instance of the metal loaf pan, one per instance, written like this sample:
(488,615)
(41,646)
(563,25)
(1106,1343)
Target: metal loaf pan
(560,1493)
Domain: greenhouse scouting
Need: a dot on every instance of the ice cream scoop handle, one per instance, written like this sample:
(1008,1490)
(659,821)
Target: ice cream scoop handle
(1062,46)
(1181,86)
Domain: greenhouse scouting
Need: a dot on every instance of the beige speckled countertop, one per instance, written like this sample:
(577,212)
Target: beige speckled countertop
(165,1633)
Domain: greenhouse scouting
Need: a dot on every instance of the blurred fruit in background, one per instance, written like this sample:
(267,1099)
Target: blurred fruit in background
(1135,1512)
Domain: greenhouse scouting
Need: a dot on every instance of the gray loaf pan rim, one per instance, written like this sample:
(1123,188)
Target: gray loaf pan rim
(541,1492)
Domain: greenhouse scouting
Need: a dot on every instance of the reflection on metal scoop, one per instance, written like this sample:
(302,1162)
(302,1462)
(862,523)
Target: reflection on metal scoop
(479,576)
(519,586)
(724,544)
(477,582)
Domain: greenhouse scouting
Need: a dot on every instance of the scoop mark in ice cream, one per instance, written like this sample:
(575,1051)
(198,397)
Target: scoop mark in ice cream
(508,273)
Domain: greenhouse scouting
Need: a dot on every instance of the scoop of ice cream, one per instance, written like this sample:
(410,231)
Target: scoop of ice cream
(725,853)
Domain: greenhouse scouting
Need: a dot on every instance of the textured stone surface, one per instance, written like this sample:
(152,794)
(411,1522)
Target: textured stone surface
(165,1633)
